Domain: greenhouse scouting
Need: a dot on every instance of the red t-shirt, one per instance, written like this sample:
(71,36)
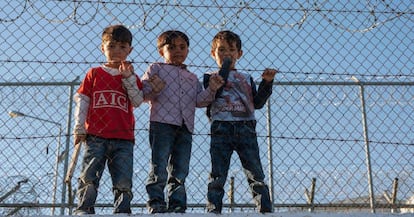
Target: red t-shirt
(110,113)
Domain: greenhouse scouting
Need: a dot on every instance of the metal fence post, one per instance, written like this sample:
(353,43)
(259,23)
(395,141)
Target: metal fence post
(56,173)
(366,139)
(68,133)
(310,195)
(270,152)
(231,194)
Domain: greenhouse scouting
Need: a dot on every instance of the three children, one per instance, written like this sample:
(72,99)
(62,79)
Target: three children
(104,120)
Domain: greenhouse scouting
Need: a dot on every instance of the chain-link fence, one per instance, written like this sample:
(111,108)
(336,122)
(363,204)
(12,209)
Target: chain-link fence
(337,132)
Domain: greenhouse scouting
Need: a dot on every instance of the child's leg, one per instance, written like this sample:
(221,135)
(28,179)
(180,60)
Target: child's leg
(248,151)
(92,167)
(221,149)
(178,167)
(120,164)
(161,140)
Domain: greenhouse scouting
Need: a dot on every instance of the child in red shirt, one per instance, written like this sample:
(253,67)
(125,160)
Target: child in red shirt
(104,120)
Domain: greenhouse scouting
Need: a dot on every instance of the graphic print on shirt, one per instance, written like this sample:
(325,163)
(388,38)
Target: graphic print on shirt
(110,99)
(237,97)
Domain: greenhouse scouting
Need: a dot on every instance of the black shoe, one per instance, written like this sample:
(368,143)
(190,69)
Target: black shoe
(215,211)
(177,209)
(157,209)
(263,211)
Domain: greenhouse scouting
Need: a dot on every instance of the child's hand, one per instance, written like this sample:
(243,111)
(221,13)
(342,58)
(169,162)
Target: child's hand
(157,84)
(269,74)
(126,69)
(215,82)
(79,138)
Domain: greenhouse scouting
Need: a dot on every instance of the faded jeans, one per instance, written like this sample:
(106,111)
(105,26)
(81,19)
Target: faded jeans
(239,136)
(170,159)
(118,155)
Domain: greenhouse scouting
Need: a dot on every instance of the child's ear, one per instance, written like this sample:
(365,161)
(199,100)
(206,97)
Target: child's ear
(240,54)
(161,52)
(213,54)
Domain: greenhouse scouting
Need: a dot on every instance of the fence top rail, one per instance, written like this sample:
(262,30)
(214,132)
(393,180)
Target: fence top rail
(345,83)
(285,83)
(53,83)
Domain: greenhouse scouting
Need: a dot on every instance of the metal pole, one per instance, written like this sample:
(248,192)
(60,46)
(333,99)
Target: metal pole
(394,195)
(310,195)
(56,170)
(17,114)
(270,152)
(366,139)
(231,194)
(68,133)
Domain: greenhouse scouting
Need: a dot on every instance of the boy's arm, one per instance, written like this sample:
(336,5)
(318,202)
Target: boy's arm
(81,111)
(134,89)
(218,80)
(262,94)
(211,84)
(265,88)
(148,83)
(131,83)
(204,97)
(206,79)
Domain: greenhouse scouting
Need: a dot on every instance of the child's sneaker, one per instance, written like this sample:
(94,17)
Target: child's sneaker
(157,209)
(177,209)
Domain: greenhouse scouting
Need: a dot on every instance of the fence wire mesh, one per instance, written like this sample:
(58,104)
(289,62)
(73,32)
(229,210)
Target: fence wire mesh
(339,121)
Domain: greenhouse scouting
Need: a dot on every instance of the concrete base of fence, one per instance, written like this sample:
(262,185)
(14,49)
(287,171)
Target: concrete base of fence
(276,214)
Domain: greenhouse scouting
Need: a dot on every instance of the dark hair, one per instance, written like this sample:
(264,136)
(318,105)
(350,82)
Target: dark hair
(117,33)
(167,37)
(229,36)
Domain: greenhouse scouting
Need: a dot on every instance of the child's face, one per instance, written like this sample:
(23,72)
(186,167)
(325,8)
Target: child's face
(115,52)
(223,50)
(176,52)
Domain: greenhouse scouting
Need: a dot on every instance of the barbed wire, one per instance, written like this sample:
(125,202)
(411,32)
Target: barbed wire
(147,8)
(346,74)
(372,12)
(240,7)
(326,139)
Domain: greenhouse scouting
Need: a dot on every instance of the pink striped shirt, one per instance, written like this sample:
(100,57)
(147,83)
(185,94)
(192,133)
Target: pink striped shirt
(183,92)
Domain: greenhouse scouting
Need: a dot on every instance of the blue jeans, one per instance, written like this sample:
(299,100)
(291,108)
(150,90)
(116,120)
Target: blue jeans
(118,155)
(170,160)
(239,136)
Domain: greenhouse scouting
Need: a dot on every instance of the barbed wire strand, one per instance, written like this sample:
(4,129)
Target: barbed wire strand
(244,5)
(259,136)
(346,74)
